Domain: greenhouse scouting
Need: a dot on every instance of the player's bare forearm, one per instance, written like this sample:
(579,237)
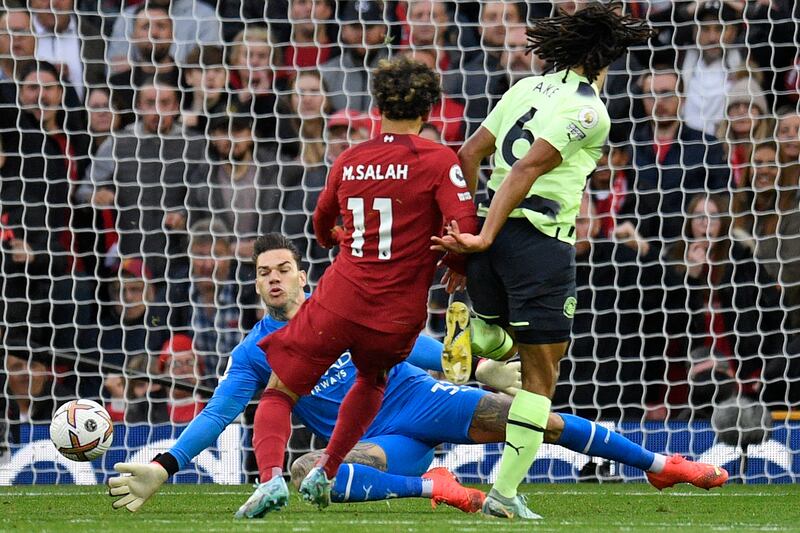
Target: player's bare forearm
(364,453)
(478,147)
(540,159)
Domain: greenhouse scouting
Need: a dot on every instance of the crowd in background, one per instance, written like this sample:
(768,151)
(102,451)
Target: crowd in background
(144,145)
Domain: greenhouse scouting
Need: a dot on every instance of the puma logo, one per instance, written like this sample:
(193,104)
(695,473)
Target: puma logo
(515,448)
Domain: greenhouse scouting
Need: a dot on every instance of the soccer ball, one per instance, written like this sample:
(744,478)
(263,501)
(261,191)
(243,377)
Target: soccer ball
(82,430)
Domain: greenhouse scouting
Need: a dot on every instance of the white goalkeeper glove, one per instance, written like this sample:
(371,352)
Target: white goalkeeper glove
(504,377)
(138,487)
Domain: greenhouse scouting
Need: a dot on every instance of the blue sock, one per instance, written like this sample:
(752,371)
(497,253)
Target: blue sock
(359,483)
(588,438)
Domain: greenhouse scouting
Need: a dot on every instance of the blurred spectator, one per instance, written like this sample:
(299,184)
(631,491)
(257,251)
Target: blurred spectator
(767,211)
(362,35)
(69,41)
(178,360)
(788,137)
(251,78)
(145,171)
(37,223)
(207,96)
(242,187)
(733,317)
(145,401)
(772,37)
(711,68)
(102,122)
(236,14)
(114,398)
(672,160)
(490,74)
(59,150)
(307,106)
(30,393)
(303,179)
(430,132)
(152,39)
(17,43)
(128,329)
(194,23)
(312,39)
(616,357)
(344,129)
(609,189)
(222,303)
(431,30)
(447,114)
(746,124)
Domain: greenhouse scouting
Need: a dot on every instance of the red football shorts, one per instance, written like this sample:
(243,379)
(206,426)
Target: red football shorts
(308,345)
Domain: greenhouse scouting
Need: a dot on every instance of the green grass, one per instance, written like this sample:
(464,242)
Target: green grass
(585,507)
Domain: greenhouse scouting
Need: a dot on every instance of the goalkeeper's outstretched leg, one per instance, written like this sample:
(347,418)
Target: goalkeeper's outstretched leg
(394,466)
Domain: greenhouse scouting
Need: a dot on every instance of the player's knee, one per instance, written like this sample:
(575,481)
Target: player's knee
(301,467)
(555,425)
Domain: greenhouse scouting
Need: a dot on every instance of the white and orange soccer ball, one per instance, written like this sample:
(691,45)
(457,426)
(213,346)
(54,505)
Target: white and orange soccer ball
(82,430)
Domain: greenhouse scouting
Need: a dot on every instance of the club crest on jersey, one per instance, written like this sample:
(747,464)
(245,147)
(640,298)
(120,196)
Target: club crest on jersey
(457,177)
(588,118)
(570,304)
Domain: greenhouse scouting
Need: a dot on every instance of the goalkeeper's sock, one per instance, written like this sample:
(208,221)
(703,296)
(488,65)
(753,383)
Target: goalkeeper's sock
(583,436)
(488,340)
(271,429)
(360,483)
(359,408)
(527,420)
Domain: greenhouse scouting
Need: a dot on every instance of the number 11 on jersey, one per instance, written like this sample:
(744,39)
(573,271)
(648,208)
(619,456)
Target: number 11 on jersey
(384,208)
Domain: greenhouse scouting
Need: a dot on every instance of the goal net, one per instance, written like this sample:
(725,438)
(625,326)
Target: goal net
(144,146)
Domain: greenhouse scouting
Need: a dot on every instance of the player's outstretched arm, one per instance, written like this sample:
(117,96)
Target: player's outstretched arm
(540,159)
(140,482)
(478,147)
(137,484)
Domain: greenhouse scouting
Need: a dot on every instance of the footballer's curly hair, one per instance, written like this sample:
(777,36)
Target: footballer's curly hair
(405,89)
(592,37)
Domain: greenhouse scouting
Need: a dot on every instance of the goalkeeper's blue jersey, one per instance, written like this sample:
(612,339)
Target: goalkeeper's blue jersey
(319,410)
(248,371)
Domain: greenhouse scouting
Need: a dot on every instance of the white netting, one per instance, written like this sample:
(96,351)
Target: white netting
(146,145)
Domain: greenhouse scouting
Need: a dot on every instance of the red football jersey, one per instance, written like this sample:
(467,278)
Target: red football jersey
(393,193)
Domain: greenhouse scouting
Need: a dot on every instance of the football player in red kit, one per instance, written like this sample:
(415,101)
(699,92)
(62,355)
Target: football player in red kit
(391,193)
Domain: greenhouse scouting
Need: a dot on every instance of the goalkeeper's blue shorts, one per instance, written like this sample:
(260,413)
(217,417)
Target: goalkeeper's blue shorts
(434,412)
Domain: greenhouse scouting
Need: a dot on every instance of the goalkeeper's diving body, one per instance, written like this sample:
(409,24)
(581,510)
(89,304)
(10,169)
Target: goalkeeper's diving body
(418,413)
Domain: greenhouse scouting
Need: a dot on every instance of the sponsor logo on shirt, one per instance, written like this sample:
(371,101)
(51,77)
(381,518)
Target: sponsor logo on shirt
(375,172)
(457,177)
(575,133)
(336,374)
(464,196)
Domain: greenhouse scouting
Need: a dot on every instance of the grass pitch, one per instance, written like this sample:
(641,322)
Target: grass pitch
(566,507)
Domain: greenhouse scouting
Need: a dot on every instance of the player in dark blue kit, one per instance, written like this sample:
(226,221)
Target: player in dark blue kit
(418,413)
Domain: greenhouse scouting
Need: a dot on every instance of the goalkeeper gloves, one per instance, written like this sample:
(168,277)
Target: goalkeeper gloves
(504,377)
(136,488)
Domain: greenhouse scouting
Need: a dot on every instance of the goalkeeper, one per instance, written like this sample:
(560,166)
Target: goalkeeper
(418,413)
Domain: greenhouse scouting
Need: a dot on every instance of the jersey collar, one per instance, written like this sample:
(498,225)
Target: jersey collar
(574,76)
